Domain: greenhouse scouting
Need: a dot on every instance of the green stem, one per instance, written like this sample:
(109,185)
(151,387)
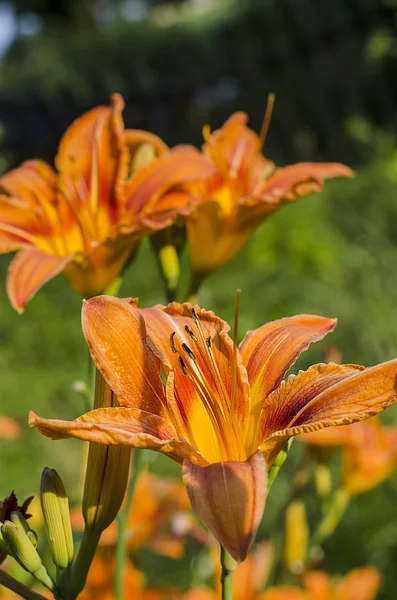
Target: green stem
(228,565)
(18,587)
(122,522)
(330,521)
(82,563)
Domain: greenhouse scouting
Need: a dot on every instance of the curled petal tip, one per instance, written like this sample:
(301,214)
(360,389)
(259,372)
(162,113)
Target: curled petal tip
(229,498)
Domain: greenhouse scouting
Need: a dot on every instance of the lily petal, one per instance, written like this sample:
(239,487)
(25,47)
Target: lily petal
(29,271)
(269,351)
(229,498)
(121,427)
(293,182)
(359,584)
(307,402)
(116,336)
(173,168)
(33,181)
(92,147)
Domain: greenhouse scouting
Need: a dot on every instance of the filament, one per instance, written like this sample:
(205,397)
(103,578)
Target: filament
(267,118)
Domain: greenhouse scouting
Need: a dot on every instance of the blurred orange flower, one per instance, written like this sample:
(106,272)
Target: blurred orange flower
(246,189)
(369,452)
(112,186)
(160,518)
(225,412)
(9,428)
(359,584)
(100,582)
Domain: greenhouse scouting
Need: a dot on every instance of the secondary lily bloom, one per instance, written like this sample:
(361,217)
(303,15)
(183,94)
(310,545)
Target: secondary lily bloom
(359,584)
(112,186)
(246,189)
(224,413)
(369,452)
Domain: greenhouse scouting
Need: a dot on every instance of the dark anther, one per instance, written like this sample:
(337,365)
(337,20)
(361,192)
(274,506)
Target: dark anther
(181,362)
(208,341)
(172,343)
(189,352)
(190,333)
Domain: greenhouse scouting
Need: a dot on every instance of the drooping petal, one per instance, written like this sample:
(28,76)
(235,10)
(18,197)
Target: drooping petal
(116,336)
(215,364)
(121,427)
(307,402)
(301,179)
(269,351)
(229,498)
(29,271)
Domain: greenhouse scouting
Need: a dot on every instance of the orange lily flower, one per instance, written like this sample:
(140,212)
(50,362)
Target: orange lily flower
(359,584)
(369,452)
(112,186)
(225,412)
(246,189)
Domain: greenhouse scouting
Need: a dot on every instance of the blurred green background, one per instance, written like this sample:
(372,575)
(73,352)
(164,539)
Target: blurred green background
(181,64)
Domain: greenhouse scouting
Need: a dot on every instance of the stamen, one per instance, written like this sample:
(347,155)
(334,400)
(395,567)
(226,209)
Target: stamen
(267,118)
(190,333)
(183,366)
(235,340)
(189,352)
(172,342)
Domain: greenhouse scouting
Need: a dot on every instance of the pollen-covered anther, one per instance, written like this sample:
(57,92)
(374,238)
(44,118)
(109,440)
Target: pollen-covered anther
(172,342)
(190,333)
(189,352)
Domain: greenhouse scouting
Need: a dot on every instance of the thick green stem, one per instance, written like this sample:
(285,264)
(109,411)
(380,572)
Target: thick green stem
(82,563)
(122,522)
(18,587)
(228,565)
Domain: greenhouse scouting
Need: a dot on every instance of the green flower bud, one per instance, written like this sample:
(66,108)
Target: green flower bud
(55,507)
(22,550)
(18,519)
(107,471)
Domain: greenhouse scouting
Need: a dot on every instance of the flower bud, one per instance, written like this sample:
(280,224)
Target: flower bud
(167,257)
(296,537)
(107,471)
(55,507)
(22,550)
(18,519)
